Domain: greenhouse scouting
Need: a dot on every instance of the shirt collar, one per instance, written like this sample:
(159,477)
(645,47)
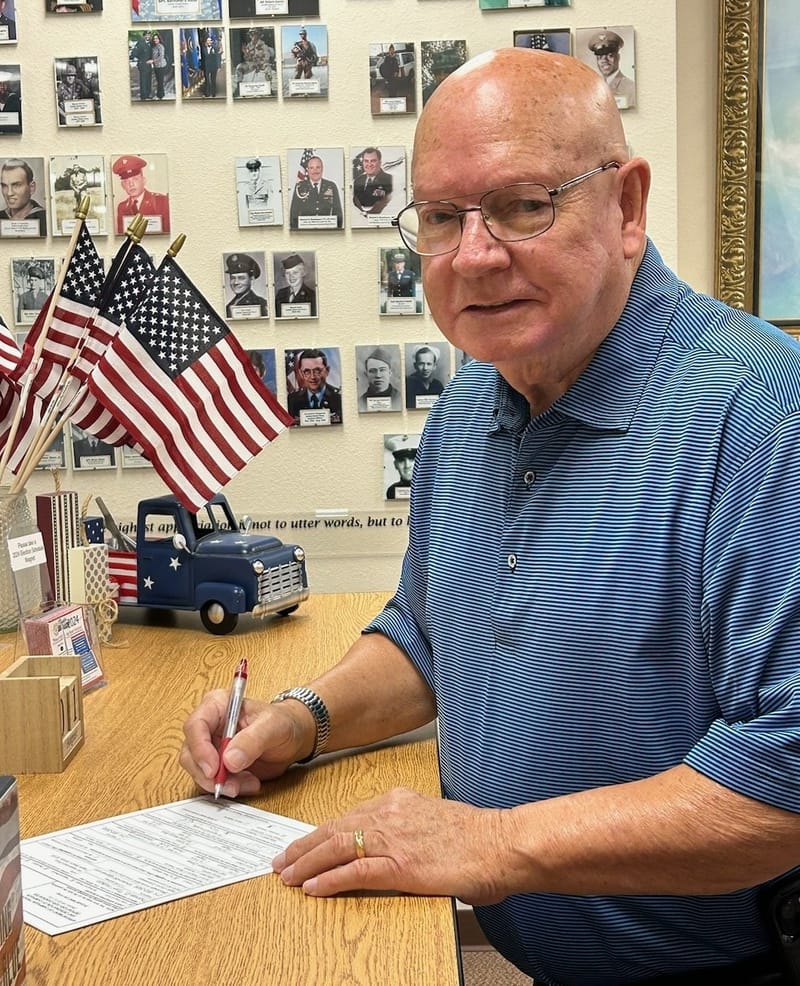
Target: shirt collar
(605,396)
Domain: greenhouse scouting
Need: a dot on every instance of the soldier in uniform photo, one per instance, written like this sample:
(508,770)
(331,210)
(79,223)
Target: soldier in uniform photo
(372,189)
(306,57)
(130,171)
(315,196)
(34,297)
(401,281)
(404,455)
(69,88)
(606,46)
(18,187)
(422,382)
(242,270)
(295,291)
(380,388)
(311,372)
(8,28)
(142,54)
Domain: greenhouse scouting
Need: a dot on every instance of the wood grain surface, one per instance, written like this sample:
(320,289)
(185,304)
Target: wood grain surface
(259,931)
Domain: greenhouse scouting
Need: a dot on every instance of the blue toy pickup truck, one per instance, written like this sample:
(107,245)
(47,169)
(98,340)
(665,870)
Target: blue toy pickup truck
(204,562)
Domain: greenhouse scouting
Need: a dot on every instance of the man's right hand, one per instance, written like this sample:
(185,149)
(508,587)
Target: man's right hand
(270,739)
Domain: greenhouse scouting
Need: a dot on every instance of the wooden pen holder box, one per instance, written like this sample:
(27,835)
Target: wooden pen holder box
(41,714)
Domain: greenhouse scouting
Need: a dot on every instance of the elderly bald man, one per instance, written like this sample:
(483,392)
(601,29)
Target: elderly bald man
(594,602)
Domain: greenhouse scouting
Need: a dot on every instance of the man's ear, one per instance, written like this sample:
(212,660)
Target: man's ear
(634,187)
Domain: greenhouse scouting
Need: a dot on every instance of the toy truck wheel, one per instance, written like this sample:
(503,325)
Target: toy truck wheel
(216,619)
(289,611)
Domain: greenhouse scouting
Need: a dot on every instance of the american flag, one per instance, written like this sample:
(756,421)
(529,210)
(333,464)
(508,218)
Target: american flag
(128,282)
(302,168)
(28,421)
(9,350)
(76,301)
(183,387)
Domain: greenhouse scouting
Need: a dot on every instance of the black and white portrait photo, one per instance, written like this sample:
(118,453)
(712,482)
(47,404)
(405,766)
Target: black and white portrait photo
(378,378)
(610,52)
(259,196)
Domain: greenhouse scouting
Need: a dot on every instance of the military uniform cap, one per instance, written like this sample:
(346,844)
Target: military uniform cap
(399,256)
(382,354)
(242,263)
(402,446)
(605,41)
(128,166)
(34,270)
(70,70)
(303,31)
(253,165)
(291,261)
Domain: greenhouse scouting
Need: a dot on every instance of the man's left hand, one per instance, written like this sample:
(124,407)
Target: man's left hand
(410,843)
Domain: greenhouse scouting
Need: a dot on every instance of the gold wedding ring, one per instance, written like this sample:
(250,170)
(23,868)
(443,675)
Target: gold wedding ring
(358,839)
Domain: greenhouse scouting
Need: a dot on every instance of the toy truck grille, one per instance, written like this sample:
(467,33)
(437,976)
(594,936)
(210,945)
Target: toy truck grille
(279,581)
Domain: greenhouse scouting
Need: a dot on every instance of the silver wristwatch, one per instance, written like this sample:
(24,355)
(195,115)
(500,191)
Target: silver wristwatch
(318,709)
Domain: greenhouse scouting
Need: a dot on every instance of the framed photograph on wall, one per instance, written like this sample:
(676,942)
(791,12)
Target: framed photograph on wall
(263,362)
(176,10)
(88,452)
(272,8)
(379,185)
(758,244)
(245,285)
(23,187)
(71,177)
(317,189)
(399,456)
(8,22)
(559,40)
(610,52)
(203,59)
(427,372)
(295,280)
(259,194)
(151,65)
(77,86)
(32,280)
(438,60)
(254,68)
(401,281)
(314,386)
(515,4)
(10,99)
(378,378)
(73,6)
(304,61)
(141,185)
(392,78)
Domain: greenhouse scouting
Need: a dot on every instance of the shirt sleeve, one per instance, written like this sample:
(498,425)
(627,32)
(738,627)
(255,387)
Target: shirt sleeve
(751,621)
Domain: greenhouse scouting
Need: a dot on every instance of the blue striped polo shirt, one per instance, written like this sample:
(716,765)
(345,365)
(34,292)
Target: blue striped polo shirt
(612,588)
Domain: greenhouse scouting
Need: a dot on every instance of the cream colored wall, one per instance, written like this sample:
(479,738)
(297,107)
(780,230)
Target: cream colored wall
(339,468)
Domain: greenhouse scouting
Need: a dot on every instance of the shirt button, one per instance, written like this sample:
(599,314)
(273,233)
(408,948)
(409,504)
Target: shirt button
(512,562)
(529,478)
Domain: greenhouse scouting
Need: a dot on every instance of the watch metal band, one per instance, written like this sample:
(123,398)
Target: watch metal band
(318,709)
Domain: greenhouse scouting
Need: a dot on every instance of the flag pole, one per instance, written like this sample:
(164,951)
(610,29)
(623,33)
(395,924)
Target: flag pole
(80,216)
(46,433)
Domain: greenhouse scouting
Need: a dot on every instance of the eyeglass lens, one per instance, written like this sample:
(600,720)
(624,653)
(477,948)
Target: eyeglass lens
(516,212)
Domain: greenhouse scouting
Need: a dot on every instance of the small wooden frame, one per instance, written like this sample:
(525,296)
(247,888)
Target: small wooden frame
(41,714)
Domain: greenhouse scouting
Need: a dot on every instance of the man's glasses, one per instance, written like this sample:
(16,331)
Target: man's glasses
(511,213)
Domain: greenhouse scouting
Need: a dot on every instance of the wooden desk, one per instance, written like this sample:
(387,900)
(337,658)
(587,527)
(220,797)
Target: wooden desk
(259,932)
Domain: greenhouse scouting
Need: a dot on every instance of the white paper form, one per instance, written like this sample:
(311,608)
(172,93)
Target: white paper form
(104,869)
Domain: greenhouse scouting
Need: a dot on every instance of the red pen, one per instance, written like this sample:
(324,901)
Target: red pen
(231,722)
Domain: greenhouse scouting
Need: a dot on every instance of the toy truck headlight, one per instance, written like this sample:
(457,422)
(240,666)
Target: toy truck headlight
(299,554)
(258,566)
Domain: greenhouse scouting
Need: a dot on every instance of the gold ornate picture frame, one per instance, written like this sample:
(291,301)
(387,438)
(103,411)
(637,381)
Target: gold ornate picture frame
(736,152)
(743,28)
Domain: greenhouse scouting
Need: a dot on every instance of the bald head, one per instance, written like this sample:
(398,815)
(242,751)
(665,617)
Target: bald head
(553,104)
